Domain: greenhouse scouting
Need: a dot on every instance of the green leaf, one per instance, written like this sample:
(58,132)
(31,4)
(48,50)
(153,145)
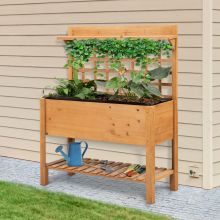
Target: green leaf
(137,90)
(152,90)
(66,91)
(114,83)
(159,73)
(136,76)
(80,96)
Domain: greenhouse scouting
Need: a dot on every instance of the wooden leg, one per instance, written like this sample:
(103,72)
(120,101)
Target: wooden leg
(174,177)
(150,161)
(43,165)
(69,140)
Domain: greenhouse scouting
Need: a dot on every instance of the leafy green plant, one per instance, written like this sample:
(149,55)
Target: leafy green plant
(75,88)
(80,51)
(143,51)
(139,85)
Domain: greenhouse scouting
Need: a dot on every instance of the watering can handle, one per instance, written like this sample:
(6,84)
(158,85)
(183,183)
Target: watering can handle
(86,148)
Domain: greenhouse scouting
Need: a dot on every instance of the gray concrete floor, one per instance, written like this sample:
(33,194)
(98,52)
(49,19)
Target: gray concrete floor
(187,203)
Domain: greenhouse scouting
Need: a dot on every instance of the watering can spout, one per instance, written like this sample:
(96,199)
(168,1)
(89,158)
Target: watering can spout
(59,149)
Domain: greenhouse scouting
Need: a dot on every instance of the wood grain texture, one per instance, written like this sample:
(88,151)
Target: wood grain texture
(43,166)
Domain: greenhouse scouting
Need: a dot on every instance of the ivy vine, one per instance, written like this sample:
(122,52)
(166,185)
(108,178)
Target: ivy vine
(80,51)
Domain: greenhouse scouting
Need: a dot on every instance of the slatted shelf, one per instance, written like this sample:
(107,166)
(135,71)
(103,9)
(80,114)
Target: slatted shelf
(93,167)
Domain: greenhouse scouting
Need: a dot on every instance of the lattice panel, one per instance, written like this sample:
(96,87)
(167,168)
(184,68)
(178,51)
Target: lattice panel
(89,71)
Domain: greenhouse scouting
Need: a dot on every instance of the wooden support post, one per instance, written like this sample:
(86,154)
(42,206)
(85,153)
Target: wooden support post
(174,177)
(150,157)
(43,165)
(69,140)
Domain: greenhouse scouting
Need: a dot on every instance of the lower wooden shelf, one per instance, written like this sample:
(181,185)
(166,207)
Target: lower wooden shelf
(93,167)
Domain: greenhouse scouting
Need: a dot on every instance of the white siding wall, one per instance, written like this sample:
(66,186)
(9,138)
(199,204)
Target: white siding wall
(30,59)
(216,93)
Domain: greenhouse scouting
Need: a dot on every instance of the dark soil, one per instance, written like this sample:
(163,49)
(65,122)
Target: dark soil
(105,98)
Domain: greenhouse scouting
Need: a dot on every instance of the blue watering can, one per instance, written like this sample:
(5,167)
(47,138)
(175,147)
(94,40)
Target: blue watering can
(75,155)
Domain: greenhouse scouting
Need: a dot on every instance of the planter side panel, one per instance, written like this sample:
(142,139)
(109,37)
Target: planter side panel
(96,121)
(164,122)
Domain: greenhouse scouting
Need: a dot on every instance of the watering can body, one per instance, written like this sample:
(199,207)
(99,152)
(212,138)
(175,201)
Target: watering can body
(75,155)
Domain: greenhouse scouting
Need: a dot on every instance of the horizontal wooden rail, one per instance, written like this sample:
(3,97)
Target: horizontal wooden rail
(67,38)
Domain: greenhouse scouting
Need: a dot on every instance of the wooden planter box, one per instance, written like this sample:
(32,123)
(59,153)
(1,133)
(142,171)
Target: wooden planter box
(117,123)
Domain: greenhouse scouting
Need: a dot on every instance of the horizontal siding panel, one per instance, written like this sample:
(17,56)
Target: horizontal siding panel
(216,67)
(19,113)
(190,92)
(190,130)
(104,17)
(216,41)
(190,117)
(216,168)
(216,117)
(20,123)
(21,92)
(190,66)
(216,4)
(216,31)
(196,4)
(216,154)
(12,2)
(216,180)
(19,102)
(60,29)
(216,143)
(216,79)
(26,82)
(216,92)
(190,104)
(216,15)
(189,79)
(216,54)
(33,61)
(184,53)
(33,72)
(94,6)
(216,105)
(216,130)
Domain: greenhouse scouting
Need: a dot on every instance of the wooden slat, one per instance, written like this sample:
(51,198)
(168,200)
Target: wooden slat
(93,167)
(55,162)
(163,174)
(68,38)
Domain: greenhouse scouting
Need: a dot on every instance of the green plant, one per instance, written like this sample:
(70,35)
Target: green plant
(80,51)
(75,88)
(138,49)
(139,85)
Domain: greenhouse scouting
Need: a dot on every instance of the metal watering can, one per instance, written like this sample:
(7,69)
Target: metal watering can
(75,155)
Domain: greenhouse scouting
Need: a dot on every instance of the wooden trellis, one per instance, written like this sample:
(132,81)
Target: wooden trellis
(118,123)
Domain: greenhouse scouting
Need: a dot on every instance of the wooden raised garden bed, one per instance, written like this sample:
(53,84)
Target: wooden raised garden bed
(117,123)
